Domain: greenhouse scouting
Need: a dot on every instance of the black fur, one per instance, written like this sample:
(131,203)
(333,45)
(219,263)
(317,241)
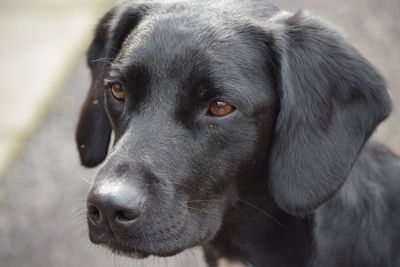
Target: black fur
(287,179)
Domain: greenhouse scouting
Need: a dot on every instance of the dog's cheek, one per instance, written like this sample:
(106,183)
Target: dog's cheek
(231,156)
(225,152)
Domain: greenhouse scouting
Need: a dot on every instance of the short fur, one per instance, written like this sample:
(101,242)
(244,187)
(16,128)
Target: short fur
(287,179)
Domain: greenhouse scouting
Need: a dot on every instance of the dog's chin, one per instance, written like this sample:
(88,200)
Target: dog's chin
(141,246)
(140,254)
(130,253)
(135,250)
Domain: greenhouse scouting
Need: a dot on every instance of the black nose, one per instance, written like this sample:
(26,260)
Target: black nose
(114,206)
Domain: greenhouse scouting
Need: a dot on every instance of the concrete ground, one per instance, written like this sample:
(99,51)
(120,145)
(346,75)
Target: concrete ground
(42,221)
(40,42)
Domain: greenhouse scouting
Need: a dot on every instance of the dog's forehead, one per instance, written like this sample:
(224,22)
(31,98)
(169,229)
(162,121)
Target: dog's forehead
(162,44)
(172,33)
(185,47)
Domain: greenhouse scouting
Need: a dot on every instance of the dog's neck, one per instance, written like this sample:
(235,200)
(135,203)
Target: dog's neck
(258,233)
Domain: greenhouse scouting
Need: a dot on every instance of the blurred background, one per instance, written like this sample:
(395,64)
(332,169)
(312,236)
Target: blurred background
(43,83)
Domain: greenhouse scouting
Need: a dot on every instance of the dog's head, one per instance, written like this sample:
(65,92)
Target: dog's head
(203,99)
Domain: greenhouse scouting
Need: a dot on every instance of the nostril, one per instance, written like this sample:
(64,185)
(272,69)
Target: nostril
(93,213)
(114,206)
(125,216)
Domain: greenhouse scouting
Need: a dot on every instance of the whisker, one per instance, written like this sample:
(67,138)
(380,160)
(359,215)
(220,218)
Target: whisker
(198,210)
(86,180)
(262,211)
(75,202)
(201,200)
(178,184)
(105,59)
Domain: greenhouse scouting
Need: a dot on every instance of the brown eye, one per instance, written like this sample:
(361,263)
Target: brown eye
(220,108)
(118,91)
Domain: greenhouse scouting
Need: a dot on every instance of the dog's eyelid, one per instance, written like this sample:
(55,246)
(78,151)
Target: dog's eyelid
(220,108)
(118,91)
(107,83)
(113,75)
(116,88)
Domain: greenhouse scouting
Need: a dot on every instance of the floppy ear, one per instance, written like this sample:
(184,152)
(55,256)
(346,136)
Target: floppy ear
(94,128)
(331,100)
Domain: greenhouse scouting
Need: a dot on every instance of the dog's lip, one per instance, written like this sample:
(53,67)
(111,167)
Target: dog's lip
(120,247)
(133,244)
(109,240)
(128,251)
(100,238)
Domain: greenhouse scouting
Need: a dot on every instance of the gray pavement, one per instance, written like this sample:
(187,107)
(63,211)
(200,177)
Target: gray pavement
(42,221)
(40,42)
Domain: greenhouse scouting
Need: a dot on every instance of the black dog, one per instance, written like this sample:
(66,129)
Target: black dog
(241,128)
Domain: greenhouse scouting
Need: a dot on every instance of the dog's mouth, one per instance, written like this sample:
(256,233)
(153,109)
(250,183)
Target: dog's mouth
(128,251)
(118,245)
(139,252)
(132,246)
